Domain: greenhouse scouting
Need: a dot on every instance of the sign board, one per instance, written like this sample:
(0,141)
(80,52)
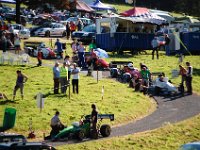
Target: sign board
(40,100)
(97,74)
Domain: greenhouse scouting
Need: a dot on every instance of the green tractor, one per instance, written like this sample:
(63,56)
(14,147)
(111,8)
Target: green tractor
(82,129)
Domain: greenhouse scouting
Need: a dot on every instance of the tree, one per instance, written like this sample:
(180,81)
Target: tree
(59,4)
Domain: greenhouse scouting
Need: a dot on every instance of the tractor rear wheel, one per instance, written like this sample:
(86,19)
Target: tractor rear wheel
(105,130)
(80,135)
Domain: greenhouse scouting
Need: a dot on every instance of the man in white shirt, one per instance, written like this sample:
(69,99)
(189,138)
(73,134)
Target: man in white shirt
(75,78)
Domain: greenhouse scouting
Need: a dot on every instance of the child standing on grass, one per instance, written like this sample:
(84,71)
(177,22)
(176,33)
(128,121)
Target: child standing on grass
(39,57)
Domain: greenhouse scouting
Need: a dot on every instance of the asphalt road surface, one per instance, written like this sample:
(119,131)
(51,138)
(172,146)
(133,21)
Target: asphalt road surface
(169,110)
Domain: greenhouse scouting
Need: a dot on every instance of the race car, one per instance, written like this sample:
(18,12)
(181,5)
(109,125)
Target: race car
(46,52)
(32,49)
(82,129)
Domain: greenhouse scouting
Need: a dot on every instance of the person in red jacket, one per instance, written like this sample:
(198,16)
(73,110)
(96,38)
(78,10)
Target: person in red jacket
(39,57)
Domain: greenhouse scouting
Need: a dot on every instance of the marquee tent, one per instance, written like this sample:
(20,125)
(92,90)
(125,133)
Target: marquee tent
(143,15)
(82,6)
(98,5)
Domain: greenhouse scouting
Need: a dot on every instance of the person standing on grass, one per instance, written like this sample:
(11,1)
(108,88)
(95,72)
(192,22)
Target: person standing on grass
(59,48)
(64,78)
(4,41)
(56,77)
(81,55)
(75,78)
(189,78)
(183,73)
(94,118)
(17,43)
(21,80)
(154,44)
(68,63)
(39,57)
(68,30)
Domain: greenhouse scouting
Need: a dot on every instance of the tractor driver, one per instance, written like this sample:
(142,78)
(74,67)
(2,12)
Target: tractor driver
(56,124)
(94,116)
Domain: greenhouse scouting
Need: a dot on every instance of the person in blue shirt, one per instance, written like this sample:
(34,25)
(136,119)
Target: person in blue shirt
(56,77)
(59,48)
(155,45)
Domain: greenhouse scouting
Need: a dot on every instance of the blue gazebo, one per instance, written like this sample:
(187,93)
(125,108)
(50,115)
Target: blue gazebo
(99,6)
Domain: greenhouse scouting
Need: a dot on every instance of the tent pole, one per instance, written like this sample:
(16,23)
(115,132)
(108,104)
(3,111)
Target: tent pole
(134,3)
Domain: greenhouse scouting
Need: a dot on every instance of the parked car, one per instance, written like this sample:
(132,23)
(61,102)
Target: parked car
(191,146)
(86,35)
(86,21)
(11,137)
(55,29)
(21,31)
(35,28)
(26,146)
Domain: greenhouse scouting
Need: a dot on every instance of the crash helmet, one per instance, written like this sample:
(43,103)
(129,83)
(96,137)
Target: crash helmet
(42,45)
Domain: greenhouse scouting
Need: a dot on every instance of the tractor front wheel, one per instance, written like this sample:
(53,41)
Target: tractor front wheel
(105,130)
(80,135)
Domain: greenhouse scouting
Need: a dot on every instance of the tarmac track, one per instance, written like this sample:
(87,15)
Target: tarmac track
(169,110)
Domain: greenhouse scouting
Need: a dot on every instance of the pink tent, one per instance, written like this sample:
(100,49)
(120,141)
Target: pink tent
(82,6)
(136,11)
(139,14)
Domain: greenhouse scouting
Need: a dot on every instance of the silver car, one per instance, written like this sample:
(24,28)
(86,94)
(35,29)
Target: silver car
(23,32)
(55,29)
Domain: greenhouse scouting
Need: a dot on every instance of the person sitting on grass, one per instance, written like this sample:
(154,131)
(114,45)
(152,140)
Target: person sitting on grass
(136,83)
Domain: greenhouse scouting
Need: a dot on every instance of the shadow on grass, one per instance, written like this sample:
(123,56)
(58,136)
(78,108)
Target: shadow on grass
(196,72)
(31,67)
(92,83)
(3,102)
(55,95)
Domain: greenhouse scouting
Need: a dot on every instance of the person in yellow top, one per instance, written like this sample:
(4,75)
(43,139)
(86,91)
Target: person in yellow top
(64,78)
